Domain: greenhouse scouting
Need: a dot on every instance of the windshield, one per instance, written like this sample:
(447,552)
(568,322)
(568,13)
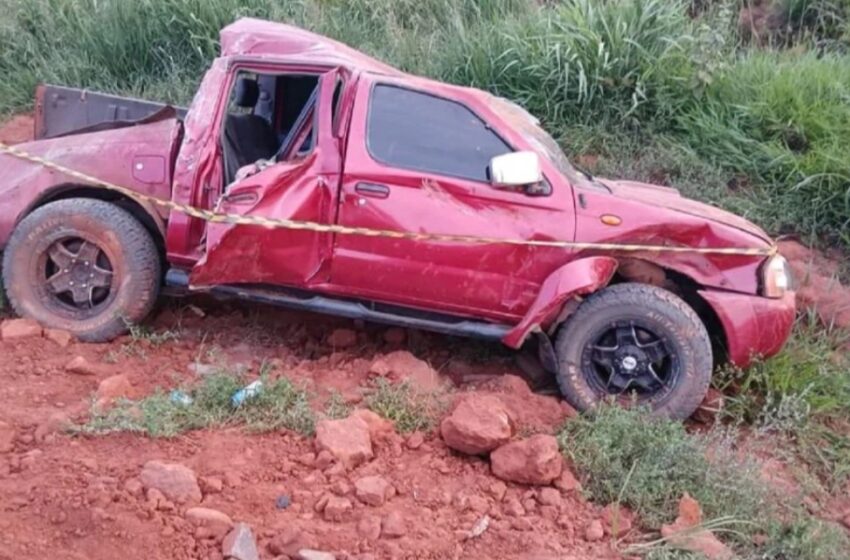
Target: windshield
(540,140)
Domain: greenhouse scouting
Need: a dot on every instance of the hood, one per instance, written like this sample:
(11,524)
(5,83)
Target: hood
(670,198)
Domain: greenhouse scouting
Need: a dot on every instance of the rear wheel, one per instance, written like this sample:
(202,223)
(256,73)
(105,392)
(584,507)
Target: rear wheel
(83,265)
(635,343)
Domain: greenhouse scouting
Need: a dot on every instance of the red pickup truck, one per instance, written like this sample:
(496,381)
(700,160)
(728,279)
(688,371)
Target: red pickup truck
(290,125)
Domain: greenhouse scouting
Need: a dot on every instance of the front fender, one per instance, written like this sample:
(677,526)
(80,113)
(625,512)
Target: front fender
(578,278)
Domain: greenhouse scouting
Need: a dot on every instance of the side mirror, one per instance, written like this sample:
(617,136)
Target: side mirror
(517,169)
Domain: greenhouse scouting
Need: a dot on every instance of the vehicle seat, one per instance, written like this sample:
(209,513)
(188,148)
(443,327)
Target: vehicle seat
(248,137)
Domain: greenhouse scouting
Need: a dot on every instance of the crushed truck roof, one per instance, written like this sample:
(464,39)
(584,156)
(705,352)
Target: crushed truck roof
(249,36)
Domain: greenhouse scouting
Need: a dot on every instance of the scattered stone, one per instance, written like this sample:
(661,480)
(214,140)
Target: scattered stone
(239,544)
(12,329)
(522,524)
(402,365)
(684,533)
(498,490)
(324,459)
(535,460)
(177,482)
(290,540)
(514,508)
(617,520)
(348,440)
(478,504)
(113,388)
(373,490)
(7,437)
(567,482)
(58,336)
(710,407)
(369,527)
(342,338)
(81,366)
(310,554)
(209,522)
(594,531)
(549,497)
(210,484)
(415,440)
(393,526)
(158,501)
(336,508)
(478,425)
(478,529)
(379,427)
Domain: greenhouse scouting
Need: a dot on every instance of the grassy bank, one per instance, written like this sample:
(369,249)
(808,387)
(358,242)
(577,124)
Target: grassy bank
(769,117)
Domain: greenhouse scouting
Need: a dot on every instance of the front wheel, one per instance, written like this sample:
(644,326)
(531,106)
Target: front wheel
(82,265)
(635,343)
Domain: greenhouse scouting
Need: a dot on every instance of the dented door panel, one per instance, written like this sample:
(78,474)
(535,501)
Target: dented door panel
(304,189)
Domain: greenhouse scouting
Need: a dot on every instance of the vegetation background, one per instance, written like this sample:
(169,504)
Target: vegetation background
(741,103)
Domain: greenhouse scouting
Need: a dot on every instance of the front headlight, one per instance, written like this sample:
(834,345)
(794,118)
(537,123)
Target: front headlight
(776,277)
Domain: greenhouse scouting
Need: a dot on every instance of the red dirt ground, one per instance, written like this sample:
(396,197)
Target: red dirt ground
(17,129)
(64,496)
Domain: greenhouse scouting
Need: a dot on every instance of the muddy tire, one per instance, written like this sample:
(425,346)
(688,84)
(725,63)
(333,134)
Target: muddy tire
(82,265)
(635,343)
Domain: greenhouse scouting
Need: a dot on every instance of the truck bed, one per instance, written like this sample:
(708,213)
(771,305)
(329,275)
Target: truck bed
(63,110)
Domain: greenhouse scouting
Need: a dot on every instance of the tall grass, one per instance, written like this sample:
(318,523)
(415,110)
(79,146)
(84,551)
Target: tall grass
(633,68)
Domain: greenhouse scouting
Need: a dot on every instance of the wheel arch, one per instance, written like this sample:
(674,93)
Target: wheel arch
(561,292)
(153,222)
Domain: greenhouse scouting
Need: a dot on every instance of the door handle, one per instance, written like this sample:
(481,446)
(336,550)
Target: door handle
(372,190)
(245,197)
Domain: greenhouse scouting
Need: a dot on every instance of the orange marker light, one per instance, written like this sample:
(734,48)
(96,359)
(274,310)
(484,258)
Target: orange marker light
(611,220)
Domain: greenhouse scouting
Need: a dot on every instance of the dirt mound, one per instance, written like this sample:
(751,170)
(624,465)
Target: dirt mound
(17,130)
(818,286)
(80,496)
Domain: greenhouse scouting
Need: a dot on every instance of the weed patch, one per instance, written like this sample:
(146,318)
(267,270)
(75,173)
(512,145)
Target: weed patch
(280,405)
(409,409)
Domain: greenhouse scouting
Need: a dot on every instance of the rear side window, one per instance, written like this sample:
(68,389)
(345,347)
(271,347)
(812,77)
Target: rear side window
(418,131)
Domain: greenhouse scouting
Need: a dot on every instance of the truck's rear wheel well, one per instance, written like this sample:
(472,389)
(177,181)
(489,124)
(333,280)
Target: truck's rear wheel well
(636,270)
(151,222)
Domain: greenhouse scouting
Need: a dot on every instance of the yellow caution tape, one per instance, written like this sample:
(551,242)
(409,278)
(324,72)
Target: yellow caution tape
(271,223)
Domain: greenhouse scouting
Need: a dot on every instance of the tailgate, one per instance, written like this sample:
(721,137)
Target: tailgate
(63,110)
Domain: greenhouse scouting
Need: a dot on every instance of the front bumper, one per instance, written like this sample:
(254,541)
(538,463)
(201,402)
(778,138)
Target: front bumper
(755,326)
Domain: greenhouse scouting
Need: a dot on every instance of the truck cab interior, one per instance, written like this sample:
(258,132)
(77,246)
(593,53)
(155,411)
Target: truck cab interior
(269,118)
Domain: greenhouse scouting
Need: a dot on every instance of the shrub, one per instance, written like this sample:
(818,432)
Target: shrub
(409,409)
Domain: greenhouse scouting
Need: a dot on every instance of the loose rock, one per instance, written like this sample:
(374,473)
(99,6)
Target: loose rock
(393,526)
(616,520)
(12,329)
(81,366)
(402,365)
(309,554)
(684,534)
(379,427)
(710,407)
(373,490)
(60,337)
(549,497)
(239,544)
(567,481)
(177,482)
(535,460)
(348,440)
(336,508)
(594,531)
(478,425)
(113,388)
(290,540)
(210,522)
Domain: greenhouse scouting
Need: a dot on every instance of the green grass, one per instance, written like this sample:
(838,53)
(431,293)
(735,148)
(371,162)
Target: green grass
(625,456)
(280,405)
(409,409)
